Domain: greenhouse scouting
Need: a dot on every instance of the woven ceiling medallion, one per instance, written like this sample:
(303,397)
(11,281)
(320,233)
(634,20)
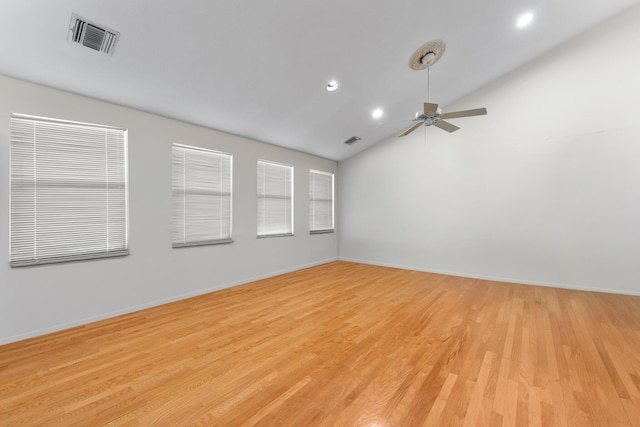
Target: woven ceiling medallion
(437,47)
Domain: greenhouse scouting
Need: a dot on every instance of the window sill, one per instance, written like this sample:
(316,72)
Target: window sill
(264,236)
(203,243)
(321,231)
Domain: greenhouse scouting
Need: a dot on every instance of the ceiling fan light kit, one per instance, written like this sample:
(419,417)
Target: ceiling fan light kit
(424,57)
(430,52)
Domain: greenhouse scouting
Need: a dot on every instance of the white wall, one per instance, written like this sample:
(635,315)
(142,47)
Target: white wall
(545,189)
(41,299)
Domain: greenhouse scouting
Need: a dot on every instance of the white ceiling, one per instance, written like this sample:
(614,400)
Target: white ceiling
(259,68)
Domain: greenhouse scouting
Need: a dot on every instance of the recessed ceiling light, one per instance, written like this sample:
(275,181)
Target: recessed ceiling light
(332,85)
(524,20)
(377,113)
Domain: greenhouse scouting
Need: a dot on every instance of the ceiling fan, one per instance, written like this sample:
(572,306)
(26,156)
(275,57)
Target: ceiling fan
(425,57)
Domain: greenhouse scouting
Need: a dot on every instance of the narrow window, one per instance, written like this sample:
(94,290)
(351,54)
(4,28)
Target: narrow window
(68,191)
(201,190)
(320,202)
(275,199)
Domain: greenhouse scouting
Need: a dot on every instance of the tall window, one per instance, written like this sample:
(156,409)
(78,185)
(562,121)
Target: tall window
(320,202)
(201,188)
(275,199)
(68,191)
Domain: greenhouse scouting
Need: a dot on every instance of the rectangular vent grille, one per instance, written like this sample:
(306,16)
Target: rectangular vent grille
(93,36)
(352,140)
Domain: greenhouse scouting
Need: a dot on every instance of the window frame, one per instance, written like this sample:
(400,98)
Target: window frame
(312,199)
(63,222)
(291,209)
(222,156)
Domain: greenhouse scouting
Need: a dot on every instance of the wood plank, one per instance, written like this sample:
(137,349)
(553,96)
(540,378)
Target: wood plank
(340,344)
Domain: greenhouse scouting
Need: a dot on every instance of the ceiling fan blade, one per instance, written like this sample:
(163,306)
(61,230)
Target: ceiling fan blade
(411,129)
(430,110)
(464,113)
(446,126)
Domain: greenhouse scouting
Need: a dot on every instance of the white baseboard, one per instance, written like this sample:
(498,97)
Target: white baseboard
(127,310)
(492,278)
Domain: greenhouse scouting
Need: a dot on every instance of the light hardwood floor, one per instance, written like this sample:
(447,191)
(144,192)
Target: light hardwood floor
(341,344)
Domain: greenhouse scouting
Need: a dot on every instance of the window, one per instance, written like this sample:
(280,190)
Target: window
(275,199)
(320,202)
(201,188)
(68,191)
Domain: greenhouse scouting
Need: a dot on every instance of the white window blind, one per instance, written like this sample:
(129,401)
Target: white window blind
(201,188)
(320,202)
(275,199)
(68,191)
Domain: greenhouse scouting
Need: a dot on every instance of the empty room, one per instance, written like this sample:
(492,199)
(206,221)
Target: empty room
(295,213)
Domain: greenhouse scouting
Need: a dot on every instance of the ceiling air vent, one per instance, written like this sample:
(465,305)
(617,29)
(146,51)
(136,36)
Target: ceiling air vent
(352,140)
(91,35)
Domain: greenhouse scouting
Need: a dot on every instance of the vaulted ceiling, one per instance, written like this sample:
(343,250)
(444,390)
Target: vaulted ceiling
(260,68)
